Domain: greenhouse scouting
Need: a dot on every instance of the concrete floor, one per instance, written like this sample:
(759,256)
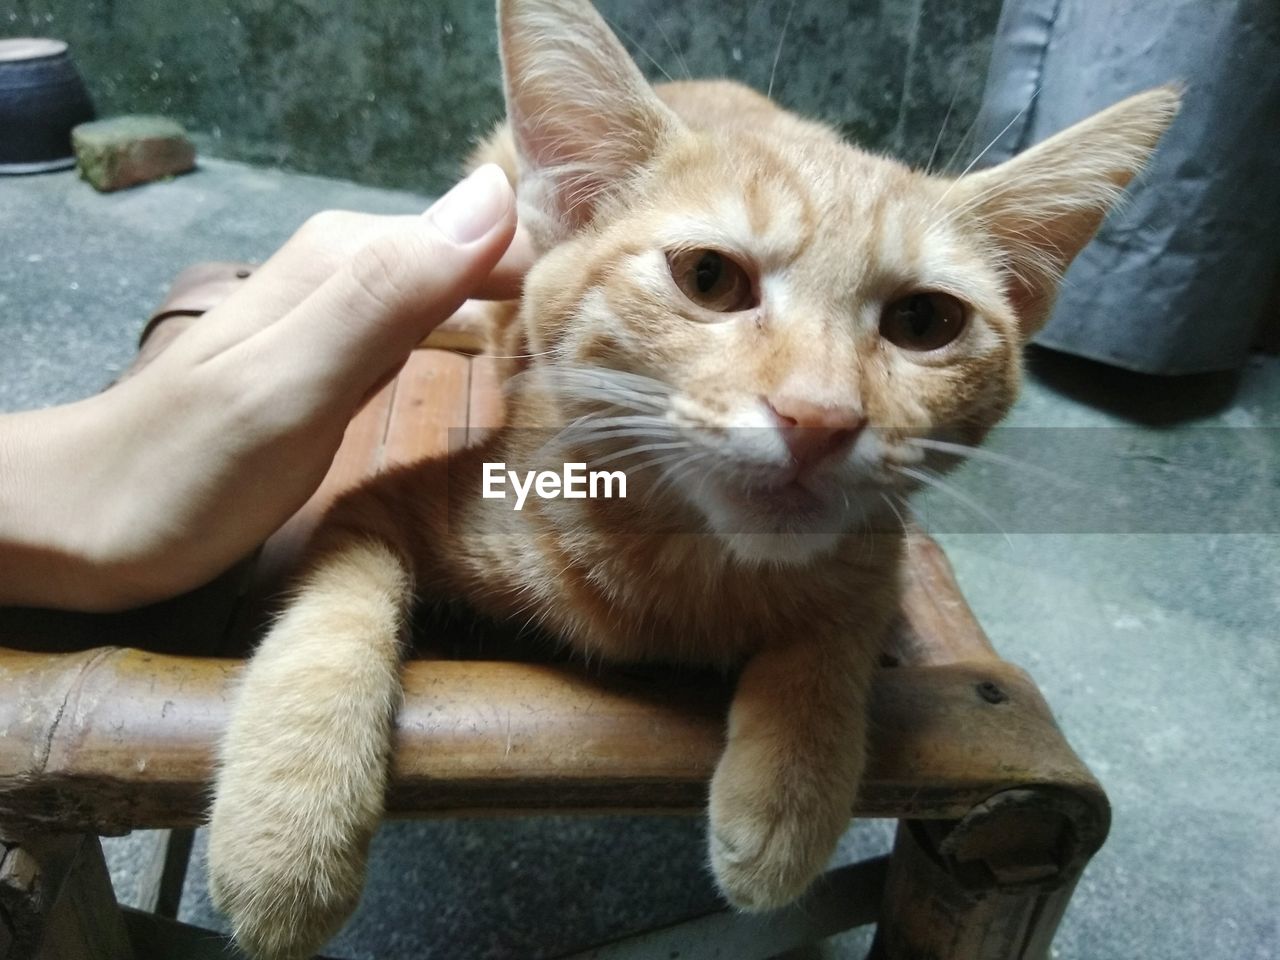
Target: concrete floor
(1157,646)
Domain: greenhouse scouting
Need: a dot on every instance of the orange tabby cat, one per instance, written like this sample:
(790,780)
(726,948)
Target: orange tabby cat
(770,317)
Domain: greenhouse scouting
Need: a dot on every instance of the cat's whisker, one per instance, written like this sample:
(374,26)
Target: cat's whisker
(668,476)
(706,478)
(591,437)
(605,393)
(942,486)
(593,424)
(590,380)
(777,54)
(641,406)
(959,147)
(677,462)
(888,500)
(637,380)
(514,356)
(620,420)
(994,140)
(643,448)
(592,429)
(632,40)
(955,92)
(989,456)
(672,47)
(1003,130)
(655,462)
(580,448)
(670,473)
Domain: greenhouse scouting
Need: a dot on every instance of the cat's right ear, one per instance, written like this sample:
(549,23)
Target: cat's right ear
(1045,204)
(583,117)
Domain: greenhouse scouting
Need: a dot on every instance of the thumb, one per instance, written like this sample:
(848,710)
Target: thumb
(361,323)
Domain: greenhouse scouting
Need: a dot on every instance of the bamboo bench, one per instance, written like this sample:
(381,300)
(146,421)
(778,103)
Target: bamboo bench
(109,724)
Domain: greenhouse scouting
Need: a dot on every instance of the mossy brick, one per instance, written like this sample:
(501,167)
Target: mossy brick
(124,151)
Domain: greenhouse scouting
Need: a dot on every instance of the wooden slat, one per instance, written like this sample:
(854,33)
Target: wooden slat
(118,739)
(487,409)
(429,412)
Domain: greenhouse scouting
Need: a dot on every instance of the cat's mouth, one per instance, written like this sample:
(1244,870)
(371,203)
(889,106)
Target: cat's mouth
(791,498)
(790,494)
(786,517)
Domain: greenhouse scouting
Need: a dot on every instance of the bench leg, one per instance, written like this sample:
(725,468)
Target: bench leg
(160,886)
(56,901)
(929,914)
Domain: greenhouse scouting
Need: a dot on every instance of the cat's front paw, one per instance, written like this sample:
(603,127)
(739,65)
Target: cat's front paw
(762,862)
(768,842)
(286,879)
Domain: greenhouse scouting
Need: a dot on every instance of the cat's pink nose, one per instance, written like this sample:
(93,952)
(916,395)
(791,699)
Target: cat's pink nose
(813,432)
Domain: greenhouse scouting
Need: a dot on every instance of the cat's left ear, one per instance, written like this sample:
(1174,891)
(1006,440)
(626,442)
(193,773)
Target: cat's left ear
(1045,204)
(583,117)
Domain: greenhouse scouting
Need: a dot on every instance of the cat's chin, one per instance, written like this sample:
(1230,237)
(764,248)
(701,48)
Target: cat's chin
(790,527)
(779,549)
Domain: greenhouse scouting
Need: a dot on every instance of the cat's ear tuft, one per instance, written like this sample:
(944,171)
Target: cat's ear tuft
(1045,204)
(583,117)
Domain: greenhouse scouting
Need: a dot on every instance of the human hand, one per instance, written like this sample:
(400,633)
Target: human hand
(163,481)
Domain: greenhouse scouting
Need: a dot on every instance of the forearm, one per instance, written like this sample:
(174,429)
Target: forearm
(45,468)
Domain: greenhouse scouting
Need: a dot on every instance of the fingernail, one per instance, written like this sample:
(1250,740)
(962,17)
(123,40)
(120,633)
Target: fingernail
(473,207)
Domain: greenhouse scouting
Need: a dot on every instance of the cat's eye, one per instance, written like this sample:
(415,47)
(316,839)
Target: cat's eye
(712,280)
(922,321)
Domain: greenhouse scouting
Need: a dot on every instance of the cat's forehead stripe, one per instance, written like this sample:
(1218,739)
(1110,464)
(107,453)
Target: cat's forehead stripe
(889,239)
(758,207)
(728,223)
(765,214)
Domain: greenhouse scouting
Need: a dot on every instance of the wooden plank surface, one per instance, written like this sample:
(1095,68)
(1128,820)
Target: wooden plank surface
(486,410)
(429,412)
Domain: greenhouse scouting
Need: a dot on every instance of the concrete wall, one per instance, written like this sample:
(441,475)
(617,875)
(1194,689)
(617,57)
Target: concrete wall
(393,92)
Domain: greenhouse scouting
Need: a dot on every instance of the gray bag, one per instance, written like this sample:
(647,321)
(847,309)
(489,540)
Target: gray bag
(1179,277)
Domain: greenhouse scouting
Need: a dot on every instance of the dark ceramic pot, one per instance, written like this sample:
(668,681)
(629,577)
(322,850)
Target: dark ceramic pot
(41,98)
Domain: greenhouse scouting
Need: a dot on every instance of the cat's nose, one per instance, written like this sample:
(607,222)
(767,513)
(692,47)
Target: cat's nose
(813,432)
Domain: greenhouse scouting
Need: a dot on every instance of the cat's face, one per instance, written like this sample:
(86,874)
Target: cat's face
(801,310)
(768,319)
